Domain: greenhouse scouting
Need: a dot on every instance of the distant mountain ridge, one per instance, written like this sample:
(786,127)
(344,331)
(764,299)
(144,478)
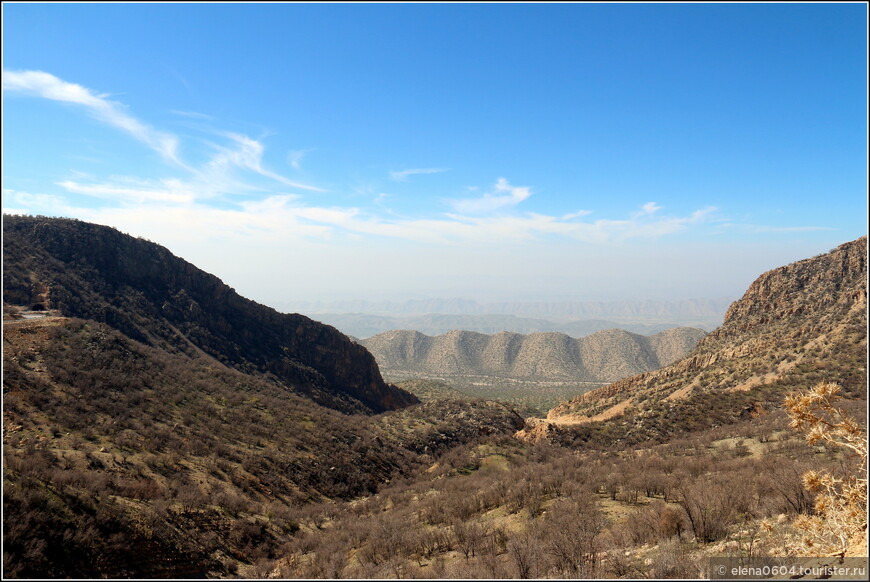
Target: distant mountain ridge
(365,325)
(711,309)
(141,289)
(603,356)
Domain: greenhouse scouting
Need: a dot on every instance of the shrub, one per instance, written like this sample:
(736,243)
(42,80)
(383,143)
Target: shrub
(841,502)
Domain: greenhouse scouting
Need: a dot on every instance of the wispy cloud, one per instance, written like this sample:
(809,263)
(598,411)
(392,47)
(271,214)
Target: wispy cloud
(48,86)
(171,191)
(208,196)
(402,175)
(19,202)
(650,208)
(212,178)
(263,221)
(192,115)
(294,157)
(168,208)
(503,195)
(637,225)
(459,229)
(248,154)
(578,214)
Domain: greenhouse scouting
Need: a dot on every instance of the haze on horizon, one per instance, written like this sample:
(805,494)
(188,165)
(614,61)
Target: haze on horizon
(320,152)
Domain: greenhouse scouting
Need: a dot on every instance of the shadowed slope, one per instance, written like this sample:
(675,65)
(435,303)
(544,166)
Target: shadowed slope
(123,460)
(141,289)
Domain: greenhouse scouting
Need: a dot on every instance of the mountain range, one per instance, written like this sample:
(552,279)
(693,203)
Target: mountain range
(679,310)
(603,356)
(156,424)
(365,325)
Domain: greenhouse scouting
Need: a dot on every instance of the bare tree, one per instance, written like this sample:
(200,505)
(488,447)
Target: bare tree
(523,553)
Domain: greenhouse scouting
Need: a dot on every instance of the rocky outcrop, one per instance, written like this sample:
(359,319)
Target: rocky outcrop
(826,282)
(141,289)
(790,323)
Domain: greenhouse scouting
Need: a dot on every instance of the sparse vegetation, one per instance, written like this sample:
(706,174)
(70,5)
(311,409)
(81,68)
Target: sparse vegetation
(529,397)
(96,421)
(841,501)
(440,489)
(142,290)
(536,371)
(211,465)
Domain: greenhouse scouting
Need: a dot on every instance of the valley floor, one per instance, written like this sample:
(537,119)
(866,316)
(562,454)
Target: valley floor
(530,397)
(508,510)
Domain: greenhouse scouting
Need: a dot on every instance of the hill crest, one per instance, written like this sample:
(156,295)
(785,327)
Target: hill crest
(794,323)
(95,272)
(602,356)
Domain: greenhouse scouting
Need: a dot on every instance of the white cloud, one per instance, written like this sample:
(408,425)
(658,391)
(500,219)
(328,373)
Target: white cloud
(231,213)
(188,204)
(50,87)
(402,175)
(248,154)
(273,212)
(44,204)
(288,217)
(577,214)
(294,157)
(651,208)
(463,229)
(212,179)
(504,195)
(638,225)
(172,191)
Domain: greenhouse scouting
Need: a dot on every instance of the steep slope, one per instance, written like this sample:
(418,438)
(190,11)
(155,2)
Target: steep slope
(141,289)
(603,356)
(123,460)
(795,325)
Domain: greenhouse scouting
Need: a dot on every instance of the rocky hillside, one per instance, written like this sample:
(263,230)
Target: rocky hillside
(603,356)
(141,289)
(112,445)
(795,325)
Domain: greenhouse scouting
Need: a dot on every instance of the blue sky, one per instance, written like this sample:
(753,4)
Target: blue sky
(510,151)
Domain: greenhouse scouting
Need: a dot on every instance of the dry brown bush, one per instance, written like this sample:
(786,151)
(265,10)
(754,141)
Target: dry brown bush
(841,501)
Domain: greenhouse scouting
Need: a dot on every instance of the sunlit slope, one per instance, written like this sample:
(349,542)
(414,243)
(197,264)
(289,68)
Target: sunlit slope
(797,324)
(603,356)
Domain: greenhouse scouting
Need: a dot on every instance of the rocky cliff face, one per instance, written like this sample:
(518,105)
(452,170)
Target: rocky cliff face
(834,281)
(795,324)
(140,288)
(603,356)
